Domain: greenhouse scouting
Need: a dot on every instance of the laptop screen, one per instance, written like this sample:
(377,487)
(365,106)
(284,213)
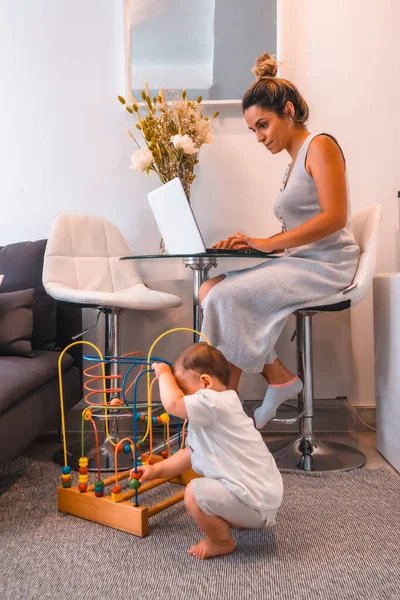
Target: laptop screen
(175,219)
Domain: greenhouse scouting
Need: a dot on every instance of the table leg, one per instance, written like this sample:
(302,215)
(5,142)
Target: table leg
(200,266)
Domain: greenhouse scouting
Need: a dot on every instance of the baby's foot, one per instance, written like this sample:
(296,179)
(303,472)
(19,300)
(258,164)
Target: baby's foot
(207,548)
(276,394)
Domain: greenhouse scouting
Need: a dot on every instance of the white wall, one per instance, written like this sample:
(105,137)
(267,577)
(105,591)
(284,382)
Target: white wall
(63,148)
(345,58)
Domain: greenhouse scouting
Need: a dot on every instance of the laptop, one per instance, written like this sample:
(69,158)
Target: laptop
(178,226)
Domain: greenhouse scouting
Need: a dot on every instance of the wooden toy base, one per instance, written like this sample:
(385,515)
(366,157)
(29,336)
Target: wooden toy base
(121,515)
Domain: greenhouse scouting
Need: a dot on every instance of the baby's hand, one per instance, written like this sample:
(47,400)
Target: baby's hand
(160,368)
(147,473)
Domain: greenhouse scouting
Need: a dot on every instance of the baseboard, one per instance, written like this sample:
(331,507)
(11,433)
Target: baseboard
(330,415)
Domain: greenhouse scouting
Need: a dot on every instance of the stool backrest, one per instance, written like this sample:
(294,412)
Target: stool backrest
(83,253)
(365,224)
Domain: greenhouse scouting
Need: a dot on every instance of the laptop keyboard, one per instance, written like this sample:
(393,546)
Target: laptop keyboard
(249,251)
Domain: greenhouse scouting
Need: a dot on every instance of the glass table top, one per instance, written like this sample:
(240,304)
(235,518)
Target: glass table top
(236,254)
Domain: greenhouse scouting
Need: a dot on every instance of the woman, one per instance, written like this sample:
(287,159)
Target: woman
(245,311)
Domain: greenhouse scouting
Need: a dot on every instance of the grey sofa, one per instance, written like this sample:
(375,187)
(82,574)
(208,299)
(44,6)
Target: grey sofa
(29,393)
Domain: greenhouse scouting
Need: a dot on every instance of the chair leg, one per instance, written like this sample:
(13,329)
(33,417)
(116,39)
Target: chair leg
(307,452)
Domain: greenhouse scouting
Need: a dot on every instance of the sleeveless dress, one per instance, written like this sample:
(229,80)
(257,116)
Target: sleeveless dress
(244,314)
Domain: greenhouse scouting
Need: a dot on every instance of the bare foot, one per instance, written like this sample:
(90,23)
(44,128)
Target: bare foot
(207,548)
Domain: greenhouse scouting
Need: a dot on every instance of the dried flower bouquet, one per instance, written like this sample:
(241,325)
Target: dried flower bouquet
(173,133)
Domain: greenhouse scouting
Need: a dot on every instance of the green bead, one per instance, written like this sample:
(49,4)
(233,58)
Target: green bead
(134,484)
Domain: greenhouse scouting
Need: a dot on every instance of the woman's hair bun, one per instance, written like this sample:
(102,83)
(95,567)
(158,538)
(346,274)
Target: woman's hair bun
(266,66)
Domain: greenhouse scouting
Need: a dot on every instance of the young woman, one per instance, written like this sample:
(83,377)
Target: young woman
(245,311)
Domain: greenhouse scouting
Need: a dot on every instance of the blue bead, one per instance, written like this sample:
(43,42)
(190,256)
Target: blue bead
(66,470)
(137,416)
(127,448)
(154,420)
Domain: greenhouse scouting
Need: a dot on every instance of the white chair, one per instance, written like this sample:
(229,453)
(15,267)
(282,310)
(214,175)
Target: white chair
(307,452)
(82,266)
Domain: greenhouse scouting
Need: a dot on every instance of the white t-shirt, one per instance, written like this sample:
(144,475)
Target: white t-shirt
(224,444)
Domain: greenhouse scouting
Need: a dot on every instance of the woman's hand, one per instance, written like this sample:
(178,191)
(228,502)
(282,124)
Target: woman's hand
(240,241)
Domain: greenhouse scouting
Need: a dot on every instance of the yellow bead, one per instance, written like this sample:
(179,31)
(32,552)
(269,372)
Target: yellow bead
(83,478)
(116,497)
(164,418)
(88,415)
(83,461)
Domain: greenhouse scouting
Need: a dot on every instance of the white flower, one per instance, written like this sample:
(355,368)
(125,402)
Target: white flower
(209,136)
(185,143)
(141,159)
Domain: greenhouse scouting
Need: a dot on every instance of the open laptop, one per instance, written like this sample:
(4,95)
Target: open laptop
(177,223)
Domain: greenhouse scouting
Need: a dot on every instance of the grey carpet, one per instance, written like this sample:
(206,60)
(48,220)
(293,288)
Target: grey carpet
(337,537)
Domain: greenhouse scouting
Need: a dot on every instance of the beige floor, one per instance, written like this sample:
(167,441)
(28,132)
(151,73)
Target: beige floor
(365,441)
(44,447)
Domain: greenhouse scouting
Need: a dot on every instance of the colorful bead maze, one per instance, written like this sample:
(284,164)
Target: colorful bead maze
(115,501)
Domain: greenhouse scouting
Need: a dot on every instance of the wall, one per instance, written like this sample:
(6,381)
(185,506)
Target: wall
(63,148)
(345,58)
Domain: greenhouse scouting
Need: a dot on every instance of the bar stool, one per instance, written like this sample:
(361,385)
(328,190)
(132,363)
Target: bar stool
(82,266)
(308,452)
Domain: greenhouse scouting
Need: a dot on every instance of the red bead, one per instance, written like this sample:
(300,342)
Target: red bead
(99,494)
(136,475)
(120,447)
(150,461)
(82,487)
(141,418)
(164,454)
(159,420)
(83,470)
(116,489)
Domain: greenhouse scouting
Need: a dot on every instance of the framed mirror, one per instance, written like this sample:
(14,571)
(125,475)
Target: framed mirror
(206,47)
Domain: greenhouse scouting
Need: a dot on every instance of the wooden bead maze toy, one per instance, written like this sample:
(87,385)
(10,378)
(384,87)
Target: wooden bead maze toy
(120,508)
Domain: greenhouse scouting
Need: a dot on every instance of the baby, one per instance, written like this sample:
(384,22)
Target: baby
(241,486)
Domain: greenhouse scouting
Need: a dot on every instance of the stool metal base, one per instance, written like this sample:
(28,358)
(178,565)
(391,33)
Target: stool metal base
(106,451)
(106,448)
(314,454)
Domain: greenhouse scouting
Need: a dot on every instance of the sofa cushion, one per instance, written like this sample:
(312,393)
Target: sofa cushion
(22,266)
(20,376)
(16,322)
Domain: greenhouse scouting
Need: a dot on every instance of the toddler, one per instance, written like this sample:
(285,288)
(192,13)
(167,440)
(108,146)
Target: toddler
(241,486)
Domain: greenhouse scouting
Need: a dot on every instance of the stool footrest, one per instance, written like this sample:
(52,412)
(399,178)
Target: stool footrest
(292,421)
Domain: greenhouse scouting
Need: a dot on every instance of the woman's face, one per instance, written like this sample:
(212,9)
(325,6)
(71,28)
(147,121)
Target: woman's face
(271,131)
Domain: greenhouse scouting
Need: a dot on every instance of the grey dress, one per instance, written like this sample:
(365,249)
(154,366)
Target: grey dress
(245,313)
